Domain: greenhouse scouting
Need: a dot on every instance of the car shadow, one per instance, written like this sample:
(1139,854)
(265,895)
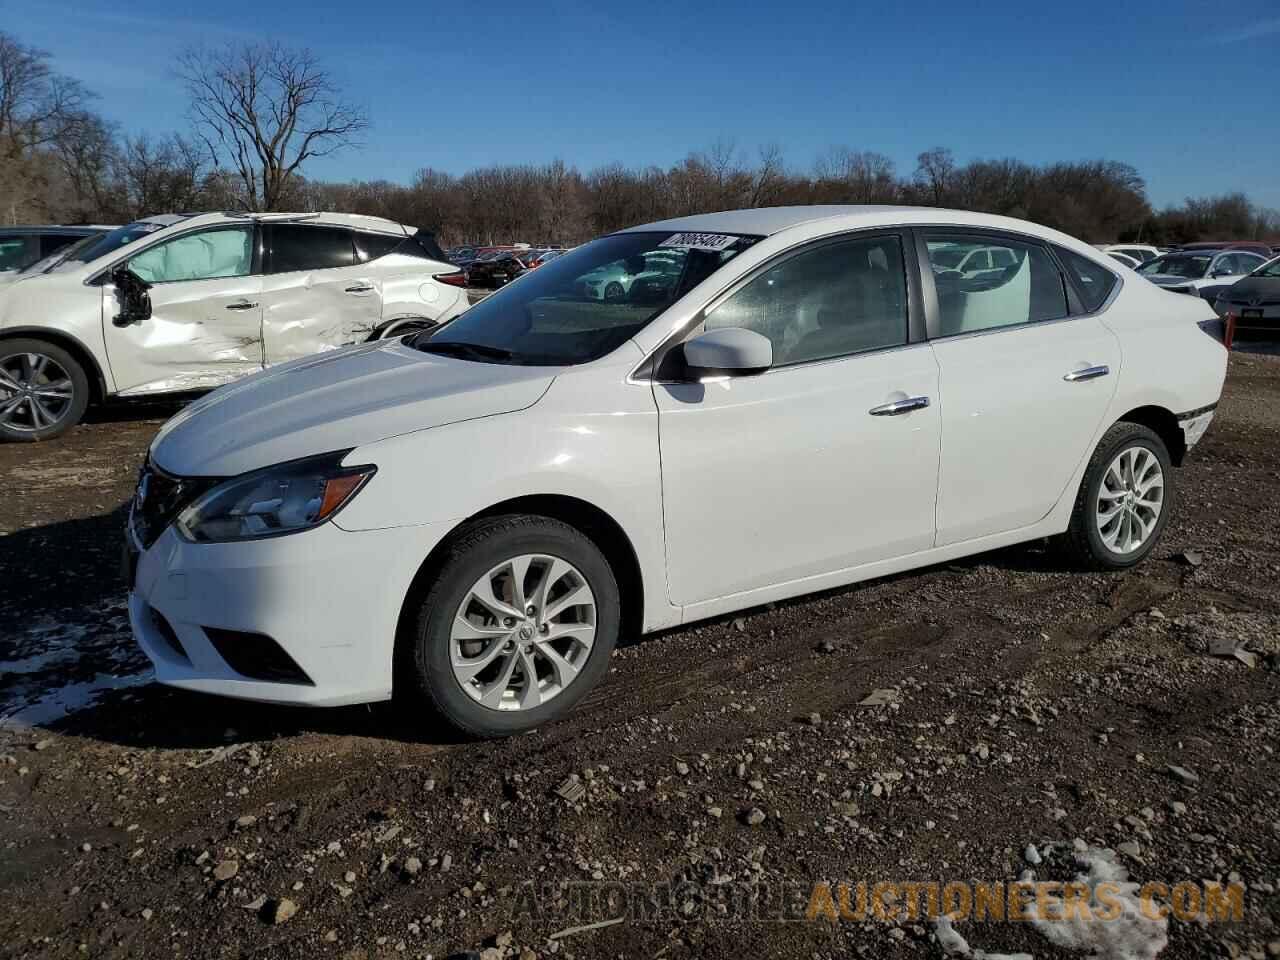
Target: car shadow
(129,411)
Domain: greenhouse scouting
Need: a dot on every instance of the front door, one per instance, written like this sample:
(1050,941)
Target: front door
(205,327)
(316,295)
(1024,386)
(828,460)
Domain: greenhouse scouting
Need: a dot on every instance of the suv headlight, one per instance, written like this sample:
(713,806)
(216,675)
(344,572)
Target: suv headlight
(274,501)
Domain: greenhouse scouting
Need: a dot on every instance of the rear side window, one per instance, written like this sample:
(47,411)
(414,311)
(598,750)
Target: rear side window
(1094,282)
(299,247)
(1026,288)
(371,246)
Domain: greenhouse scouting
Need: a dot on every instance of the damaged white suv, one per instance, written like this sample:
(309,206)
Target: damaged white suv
(179,303)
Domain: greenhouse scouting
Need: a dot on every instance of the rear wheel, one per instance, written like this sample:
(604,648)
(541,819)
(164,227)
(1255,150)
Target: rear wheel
(44,391)
(517,628)
(614,291)
(1124,499)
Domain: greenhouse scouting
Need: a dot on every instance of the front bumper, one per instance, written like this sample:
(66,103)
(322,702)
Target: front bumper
(329,598)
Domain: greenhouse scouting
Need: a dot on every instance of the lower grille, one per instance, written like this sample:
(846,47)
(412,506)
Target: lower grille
(256,656)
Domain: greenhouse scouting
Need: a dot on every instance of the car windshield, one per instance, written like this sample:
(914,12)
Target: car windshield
(583,305)
(112,241)
(1187,265)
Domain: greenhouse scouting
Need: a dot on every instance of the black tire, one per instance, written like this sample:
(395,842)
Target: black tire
(1083,540)
(26,422)
(614,292)
(427,677)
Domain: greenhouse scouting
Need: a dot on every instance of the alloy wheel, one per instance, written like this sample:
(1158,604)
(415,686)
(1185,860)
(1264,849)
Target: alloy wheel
(523,632)
(1130,500)
(35,392)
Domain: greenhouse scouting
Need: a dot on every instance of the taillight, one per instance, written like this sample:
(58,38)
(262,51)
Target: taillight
(455,279)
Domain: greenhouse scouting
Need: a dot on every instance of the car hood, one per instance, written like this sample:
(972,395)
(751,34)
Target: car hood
(1168,279)
(336,400)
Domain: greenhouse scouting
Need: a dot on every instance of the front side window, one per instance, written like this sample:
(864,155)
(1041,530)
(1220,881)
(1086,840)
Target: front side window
(1029,289)
(838,299)
(299,247)
(587,303)
(1094,282)
(1272,269)
(204,255)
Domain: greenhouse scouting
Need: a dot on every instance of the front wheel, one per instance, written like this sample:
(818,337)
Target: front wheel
(43,390)
(1124,500)
(517,628)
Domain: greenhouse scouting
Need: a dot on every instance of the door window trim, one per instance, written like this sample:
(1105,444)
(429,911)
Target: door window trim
(987,236)
(255,263)
(645,372)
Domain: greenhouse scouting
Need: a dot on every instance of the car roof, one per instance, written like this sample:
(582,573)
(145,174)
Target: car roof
(330,218)
(81,229)
(767,221)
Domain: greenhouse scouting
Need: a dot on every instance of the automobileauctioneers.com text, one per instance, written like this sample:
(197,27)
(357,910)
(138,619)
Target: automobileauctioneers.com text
(793,901)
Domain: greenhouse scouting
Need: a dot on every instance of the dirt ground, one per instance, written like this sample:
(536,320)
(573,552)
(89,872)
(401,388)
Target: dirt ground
(721,769)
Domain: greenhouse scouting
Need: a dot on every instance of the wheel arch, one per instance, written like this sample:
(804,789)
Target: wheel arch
(587,518)
(1165,423)
(83,355)
(393,326)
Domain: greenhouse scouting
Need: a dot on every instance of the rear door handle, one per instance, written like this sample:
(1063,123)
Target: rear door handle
(360,288)
(242,305)
(1088,373)
(898,407)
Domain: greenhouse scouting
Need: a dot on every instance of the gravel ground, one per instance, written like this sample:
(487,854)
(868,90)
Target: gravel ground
(1013,702)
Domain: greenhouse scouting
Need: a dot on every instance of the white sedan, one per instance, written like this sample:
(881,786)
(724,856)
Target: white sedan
(469,518)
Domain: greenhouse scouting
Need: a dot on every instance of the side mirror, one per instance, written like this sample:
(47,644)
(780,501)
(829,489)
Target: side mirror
(135,301)
(729,352)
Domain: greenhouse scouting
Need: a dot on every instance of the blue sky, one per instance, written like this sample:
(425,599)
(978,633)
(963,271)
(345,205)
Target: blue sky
(1185,91)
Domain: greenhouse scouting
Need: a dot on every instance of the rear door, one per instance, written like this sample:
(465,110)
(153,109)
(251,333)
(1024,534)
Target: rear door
(1024,382)
(205,327)
(316,294)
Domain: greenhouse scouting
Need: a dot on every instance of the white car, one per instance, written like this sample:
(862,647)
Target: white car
(1125,259)
(179,303)
(1136,251)
(1204,273)
(471,517)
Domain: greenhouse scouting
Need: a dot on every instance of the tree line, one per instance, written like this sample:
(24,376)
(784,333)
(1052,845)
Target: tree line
(259,112)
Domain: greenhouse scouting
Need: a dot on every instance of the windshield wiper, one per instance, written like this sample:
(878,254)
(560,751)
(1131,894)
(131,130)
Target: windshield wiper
(467,351)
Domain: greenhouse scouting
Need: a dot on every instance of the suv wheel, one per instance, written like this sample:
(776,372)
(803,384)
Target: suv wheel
(517,627)
(1124,500)
(43,390)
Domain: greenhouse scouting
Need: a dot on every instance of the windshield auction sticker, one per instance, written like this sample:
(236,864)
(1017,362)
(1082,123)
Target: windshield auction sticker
(699,241)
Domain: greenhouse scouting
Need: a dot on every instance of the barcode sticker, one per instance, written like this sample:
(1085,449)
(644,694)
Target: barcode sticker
(699,241)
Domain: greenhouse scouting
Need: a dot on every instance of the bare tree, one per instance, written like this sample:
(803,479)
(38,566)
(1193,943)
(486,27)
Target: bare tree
(935,171)
(266,109)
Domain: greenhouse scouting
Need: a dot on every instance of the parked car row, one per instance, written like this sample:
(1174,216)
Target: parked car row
(187,302)
(496,268)
(27,247)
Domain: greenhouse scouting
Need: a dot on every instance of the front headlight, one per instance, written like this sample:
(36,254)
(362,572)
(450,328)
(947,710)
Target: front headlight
(286,498)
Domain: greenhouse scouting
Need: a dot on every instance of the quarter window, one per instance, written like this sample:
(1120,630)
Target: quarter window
(197,256)
(301,247)
(371,246)
(1027,289)
(1094,282)
(839,299)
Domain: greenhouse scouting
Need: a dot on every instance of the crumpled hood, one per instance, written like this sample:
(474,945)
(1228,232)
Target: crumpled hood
(344,398)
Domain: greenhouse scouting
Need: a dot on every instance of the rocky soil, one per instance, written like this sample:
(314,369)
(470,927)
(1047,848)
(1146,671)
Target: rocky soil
(925,727)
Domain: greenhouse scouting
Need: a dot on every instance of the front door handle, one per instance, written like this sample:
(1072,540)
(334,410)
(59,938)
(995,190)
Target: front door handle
(360,288)
(242,305)
(898,407)
(1088,373)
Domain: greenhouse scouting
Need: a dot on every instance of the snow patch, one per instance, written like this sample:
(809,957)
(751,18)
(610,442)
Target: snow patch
(954,945)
